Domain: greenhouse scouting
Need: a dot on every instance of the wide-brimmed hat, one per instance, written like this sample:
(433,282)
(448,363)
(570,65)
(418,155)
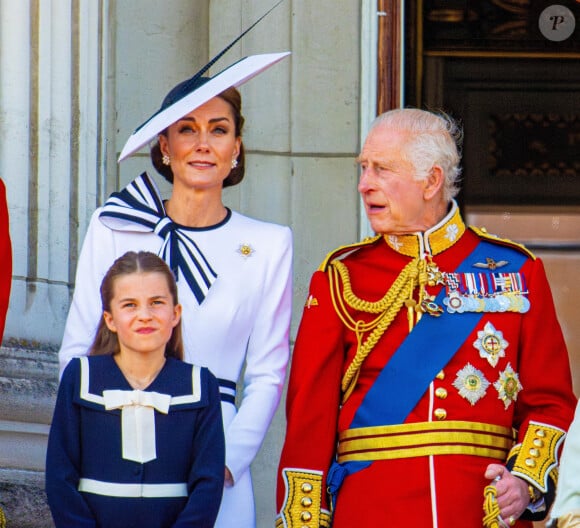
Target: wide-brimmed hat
(197,90)
(190,94)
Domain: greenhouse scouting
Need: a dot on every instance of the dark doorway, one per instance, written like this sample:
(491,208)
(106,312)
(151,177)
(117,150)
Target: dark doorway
(498,66)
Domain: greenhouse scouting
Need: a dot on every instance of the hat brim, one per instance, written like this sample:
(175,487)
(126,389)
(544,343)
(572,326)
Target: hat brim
(234,75)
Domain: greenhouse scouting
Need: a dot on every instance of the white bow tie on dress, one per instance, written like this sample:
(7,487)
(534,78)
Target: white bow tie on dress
(137,420)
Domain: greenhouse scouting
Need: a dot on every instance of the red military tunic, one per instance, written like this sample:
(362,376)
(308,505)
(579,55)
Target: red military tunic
(510,370)
(5,258)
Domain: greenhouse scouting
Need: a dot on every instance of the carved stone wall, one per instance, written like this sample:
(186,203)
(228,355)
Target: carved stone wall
(28,383)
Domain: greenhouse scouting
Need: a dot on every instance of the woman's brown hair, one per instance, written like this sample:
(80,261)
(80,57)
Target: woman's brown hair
(234,99)
(106,341)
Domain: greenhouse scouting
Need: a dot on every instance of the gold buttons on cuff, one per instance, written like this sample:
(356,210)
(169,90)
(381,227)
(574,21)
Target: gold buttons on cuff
(534,452)
(306,502)
(440,392)
(440,414)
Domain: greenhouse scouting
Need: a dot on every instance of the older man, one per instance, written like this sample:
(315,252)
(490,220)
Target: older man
(430,383)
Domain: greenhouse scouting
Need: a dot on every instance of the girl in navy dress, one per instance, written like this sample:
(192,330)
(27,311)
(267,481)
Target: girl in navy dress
(137,436)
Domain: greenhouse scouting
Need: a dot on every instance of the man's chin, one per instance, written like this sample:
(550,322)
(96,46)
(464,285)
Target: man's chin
(379,229)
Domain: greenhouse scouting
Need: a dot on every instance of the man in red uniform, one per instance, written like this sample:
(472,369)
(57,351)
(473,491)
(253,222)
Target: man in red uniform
(5,258)
(430,382)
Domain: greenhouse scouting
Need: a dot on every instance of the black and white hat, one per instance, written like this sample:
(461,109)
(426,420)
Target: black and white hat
(197,90)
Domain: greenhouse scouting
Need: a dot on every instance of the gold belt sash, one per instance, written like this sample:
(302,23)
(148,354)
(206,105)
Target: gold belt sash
(389,442)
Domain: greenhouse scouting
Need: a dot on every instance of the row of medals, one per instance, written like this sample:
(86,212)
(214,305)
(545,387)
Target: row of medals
(474,301)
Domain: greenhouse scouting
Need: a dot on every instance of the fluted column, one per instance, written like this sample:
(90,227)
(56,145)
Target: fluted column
(53,100)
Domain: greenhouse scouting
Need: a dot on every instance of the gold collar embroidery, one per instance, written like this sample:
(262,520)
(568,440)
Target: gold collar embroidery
(433,241)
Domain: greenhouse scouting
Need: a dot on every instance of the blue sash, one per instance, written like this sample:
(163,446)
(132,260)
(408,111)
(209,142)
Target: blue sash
(426,350)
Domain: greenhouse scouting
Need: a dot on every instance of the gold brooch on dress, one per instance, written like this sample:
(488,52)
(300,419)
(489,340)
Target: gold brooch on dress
(246,250)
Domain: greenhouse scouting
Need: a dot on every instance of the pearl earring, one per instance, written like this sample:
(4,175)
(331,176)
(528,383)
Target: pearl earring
(234,163)
(166,160)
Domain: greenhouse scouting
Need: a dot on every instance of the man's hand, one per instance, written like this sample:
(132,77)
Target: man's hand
(512,493)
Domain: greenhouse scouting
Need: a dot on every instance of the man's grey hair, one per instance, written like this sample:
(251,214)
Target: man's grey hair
(433,139)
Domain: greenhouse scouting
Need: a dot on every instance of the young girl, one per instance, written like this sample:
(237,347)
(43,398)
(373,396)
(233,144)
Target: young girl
(137,436)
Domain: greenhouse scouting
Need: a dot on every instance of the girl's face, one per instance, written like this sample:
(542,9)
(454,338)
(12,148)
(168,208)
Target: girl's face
(142,313)
(202,145)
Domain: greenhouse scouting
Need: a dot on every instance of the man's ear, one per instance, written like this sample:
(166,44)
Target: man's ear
(433,183)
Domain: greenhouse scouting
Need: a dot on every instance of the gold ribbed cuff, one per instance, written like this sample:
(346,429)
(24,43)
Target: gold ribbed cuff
(537,456)
(302,504)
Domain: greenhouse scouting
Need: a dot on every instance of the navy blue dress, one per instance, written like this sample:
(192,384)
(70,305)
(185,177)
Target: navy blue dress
(89,483)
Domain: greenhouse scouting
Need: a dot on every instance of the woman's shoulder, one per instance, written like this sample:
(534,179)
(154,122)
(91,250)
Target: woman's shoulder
(261,230)
(244,220)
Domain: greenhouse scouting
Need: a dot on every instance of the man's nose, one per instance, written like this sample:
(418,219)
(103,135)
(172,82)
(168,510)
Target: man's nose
(366,179)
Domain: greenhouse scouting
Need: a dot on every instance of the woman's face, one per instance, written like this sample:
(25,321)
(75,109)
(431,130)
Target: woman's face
(202,145)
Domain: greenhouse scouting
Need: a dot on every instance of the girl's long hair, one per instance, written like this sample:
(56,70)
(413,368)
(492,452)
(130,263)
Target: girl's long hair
(107,342)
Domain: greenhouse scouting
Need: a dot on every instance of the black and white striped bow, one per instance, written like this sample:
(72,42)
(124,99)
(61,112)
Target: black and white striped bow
(139,207)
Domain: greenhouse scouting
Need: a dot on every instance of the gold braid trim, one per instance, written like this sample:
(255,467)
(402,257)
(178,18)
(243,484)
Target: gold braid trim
(482,232)
(490,507)
(383,304)
(386,308)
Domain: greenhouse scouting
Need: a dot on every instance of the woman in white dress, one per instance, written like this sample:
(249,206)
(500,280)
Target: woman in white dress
(233,272)
(565,511)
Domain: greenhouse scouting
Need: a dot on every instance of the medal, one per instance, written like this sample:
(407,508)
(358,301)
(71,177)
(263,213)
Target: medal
(471,383)
(508,386)
(491,344)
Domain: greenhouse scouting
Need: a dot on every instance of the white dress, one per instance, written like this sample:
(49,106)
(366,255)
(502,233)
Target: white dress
(243,322)
(566,508)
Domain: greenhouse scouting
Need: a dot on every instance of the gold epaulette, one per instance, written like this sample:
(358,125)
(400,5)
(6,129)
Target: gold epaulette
(536,458)
(482,232)
(338,252)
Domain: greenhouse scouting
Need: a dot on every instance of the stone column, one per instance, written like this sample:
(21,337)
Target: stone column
(53,96)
